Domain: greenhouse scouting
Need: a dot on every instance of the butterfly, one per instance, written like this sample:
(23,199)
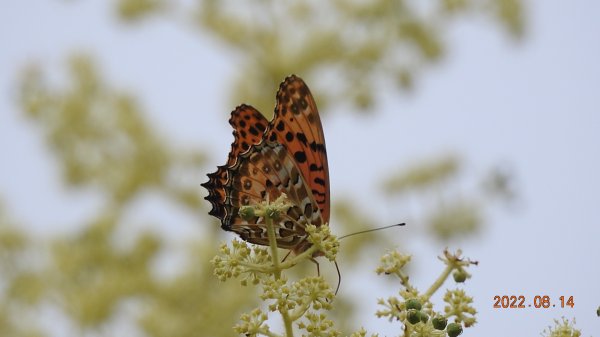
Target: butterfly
(267,159)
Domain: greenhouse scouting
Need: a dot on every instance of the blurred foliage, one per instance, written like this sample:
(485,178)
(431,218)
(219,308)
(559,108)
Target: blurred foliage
(458,219)
(20,287)
(103,142)
(101,137)
(350,48)
(423,177)
(93,277)
(133,10)
(192,304)
(447,208)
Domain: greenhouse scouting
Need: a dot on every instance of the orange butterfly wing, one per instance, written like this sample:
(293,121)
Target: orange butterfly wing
(298,127)
(287,156)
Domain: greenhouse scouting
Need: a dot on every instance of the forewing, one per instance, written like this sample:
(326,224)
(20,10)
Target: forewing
(298,127)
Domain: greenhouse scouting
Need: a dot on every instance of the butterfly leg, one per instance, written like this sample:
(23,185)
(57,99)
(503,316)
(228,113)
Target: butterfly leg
(337,268)
(339,277)
(317,263)
(286,256)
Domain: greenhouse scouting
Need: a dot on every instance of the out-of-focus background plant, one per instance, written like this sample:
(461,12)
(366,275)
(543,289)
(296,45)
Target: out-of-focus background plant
(99,278)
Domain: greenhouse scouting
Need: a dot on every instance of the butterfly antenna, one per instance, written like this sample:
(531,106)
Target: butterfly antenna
(370,230)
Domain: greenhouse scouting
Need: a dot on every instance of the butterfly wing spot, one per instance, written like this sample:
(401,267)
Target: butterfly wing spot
(254,131)
(300,156)
(289,136)
(308,211)
(302,137)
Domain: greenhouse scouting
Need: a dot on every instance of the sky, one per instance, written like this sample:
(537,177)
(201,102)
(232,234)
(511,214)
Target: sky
(532,105)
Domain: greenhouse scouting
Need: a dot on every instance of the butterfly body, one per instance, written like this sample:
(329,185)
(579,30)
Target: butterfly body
(284,156)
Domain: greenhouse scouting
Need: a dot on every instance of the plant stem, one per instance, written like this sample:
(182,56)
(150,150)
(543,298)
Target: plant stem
(438,283)
(289,331)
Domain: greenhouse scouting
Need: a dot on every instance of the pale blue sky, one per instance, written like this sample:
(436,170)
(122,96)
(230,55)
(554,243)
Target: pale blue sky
(534,106)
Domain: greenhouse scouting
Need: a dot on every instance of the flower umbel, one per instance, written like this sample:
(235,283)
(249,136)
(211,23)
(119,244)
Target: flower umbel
(562,328)
(459,306)
(252,324)
(392,263)
(323,240)
(318,325)
(241,261)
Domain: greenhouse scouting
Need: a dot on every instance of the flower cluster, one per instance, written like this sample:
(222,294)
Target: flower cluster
(323,241)
(562,328)
(302,303)
(415,309)
(241,261)
(459,306)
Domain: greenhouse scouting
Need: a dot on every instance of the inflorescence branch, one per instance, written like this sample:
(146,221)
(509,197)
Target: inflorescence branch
(304,303)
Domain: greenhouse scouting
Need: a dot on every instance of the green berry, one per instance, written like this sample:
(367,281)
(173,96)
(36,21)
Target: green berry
(273,213)
(459,276)
(413,316)
(413,303)
(454,329)
(246,213)
(424,317)
(439,323)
